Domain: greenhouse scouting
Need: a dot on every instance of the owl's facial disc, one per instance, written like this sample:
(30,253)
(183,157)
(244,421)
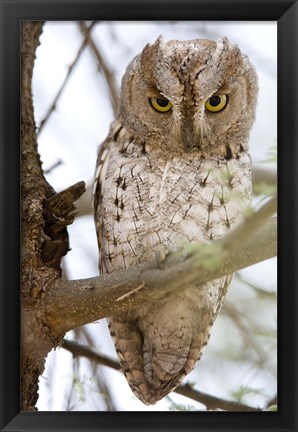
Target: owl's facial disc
(192,96)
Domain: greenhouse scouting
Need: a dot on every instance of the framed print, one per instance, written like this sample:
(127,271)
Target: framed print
(148,155)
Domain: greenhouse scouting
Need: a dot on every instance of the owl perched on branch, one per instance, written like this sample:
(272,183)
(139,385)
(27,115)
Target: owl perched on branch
(174,168)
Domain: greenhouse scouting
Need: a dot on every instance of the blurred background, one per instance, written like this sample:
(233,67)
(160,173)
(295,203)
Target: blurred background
(77,75)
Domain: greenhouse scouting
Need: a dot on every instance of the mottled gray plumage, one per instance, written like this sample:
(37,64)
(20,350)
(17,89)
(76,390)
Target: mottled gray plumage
(174,168)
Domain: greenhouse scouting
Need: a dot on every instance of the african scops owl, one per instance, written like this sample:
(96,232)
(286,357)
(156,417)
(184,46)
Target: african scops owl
(174,168)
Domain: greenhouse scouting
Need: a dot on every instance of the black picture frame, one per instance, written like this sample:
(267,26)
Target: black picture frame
(286,14)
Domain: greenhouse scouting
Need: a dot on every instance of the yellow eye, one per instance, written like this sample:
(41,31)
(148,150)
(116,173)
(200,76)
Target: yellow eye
(216,103)
(160,104)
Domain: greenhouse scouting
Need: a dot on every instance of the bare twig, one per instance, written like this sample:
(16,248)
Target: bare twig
(248,332)
(97,383)
(104,68)
(101,382)
(70,69)
(186,390)
(52,167)
(131,292)
(212,402)
(85,351)
(261,292)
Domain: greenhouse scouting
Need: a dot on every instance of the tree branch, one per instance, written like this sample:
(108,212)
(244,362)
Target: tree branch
(70,69)
(79,350)
(104,68)
(212,402)
(186,390)
(69,304)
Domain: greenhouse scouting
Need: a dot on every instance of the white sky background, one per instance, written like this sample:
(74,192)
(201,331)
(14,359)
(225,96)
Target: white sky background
(80,123)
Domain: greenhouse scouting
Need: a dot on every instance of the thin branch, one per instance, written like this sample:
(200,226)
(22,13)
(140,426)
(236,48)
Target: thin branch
(70,70)
(186,390)
(52,167)
(261,292)
(104,68)
(79,350)
(212,402)
(70,304)
(248,331)
(97,384)
(101,382)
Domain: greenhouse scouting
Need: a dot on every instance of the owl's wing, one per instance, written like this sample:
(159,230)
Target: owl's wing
(100,175)
(152,375)
(129,344)
(128,341)
(155,366)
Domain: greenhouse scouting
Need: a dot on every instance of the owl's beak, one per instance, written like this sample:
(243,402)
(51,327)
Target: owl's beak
(187,137)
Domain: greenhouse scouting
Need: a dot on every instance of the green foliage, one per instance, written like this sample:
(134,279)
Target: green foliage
(209,254)
(272,155)
(180,407)
(264,188)
(267,333)
(79,389)
(244,392)
(248,212)
(82,385)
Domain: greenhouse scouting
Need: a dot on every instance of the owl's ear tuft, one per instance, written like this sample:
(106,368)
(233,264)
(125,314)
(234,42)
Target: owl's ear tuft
(160,42)
(229,55)
(225,41)
(152,50)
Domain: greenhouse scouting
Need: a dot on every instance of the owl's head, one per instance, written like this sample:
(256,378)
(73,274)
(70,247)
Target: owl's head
(196,95)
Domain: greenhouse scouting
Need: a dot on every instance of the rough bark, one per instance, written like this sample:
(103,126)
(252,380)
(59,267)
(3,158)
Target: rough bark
(44,217)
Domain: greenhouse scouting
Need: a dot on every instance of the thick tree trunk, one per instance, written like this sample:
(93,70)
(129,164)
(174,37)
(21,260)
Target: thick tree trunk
(44,236)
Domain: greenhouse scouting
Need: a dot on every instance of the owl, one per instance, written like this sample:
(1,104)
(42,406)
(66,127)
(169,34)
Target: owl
(173,169)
